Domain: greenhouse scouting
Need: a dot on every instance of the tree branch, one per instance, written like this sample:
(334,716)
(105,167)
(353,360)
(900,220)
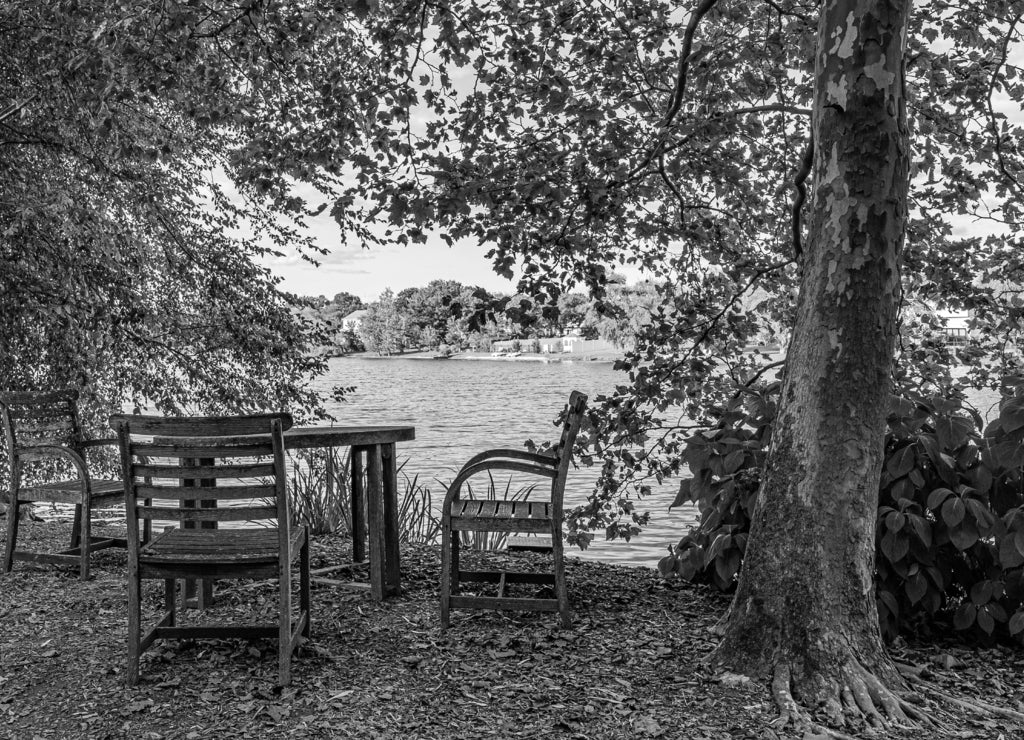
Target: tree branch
(801,195)
(684,60)
(15,107)
(1004,51)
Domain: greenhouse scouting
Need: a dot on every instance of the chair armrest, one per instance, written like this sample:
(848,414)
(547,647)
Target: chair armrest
(45,452)
(507,454)
(113,442)
(468,470)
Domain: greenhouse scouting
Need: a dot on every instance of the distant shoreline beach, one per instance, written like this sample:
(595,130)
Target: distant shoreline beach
(565,358)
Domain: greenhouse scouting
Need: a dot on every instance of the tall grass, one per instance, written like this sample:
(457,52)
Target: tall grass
(319,490)
(320,495)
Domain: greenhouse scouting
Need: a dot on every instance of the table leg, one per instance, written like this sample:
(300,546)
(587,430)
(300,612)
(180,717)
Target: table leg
(374,520)
(357,507)
(392,567)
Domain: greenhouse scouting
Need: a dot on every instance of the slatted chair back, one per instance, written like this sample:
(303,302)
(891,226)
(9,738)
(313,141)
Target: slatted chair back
(182,469)
(201,471)
(36,420)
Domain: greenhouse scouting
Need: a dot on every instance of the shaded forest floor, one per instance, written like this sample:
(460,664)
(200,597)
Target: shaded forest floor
(629,668)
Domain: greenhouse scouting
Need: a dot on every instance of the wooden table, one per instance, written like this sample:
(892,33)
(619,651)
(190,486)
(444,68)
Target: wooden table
(375,445)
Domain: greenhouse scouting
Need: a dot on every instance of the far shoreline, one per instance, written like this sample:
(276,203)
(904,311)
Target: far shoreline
(565,358)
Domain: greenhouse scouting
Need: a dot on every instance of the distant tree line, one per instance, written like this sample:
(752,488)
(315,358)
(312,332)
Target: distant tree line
(446,315)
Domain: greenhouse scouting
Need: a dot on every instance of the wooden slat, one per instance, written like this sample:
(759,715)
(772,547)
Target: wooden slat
(204,569)
(530,544)
(52,427)
(199,428)
(188,493)
(488,508)
(22,398)
(236,632)
(494,524)
(225,514)
(150,449)
(510,576)
(504,509)
(252,470)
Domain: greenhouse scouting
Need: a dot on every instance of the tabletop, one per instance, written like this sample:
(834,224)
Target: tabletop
(300,438)
(307,437)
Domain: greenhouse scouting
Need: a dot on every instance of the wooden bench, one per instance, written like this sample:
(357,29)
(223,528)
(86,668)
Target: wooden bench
(42,430)
(535,517)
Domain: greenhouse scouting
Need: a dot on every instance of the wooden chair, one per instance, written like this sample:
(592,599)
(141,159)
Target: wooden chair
(179,463)
(542,517)
(42,430)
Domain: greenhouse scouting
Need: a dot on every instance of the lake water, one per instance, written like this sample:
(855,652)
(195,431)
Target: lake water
(462,407)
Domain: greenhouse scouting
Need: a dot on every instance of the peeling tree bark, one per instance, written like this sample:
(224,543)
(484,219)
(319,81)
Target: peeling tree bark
(804,611)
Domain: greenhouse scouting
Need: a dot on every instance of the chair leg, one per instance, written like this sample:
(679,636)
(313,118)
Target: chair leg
(85,541)
(171,600)
(147,525)
(456,545)
(561,592)
(134,628)
(284,625)
(304,600)
(76,527)
(12,533)
(446,579)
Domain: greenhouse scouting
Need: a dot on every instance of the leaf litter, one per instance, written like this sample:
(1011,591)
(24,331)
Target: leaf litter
(630,666)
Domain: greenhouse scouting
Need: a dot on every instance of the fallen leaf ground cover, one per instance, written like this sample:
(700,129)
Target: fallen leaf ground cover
(630,667)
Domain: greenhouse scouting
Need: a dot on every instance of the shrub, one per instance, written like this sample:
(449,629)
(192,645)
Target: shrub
(950,522)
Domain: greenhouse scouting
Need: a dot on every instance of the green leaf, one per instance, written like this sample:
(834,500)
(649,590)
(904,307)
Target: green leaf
(668,565)
(901,462)
(1009,555)
(1016,624)
(683,496)
(1011,414)
(733,461)
(953,431)
(895,546)
(953,511)
(964,536)
(981,593)
(916,587)
(888,601)
(922,528)
(727,566)
(964,617)
(936,497)
(985,620)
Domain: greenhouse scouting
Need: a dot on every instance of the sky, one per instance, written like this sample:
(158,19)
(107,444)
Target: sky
(367,272)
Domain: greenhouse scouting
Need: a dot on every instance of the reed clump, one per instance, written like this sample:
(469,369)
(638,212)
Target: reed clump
(320,496)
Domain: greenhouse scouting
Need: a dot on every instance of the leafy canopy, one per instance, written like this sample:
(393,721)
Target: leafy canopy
(150,157)
(572,137)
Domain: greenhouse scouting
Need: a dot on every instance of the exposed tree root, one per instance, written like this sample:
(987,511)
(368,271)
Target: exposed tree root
(931,690)
(861,695)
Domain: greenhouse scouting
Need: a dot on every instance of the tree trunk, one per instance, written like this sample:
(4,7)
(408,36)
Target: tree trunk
(804,610)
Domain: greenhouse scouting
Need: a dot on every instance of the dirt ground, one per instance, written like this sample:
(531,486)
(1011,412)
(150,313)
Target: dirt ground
(630,667)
